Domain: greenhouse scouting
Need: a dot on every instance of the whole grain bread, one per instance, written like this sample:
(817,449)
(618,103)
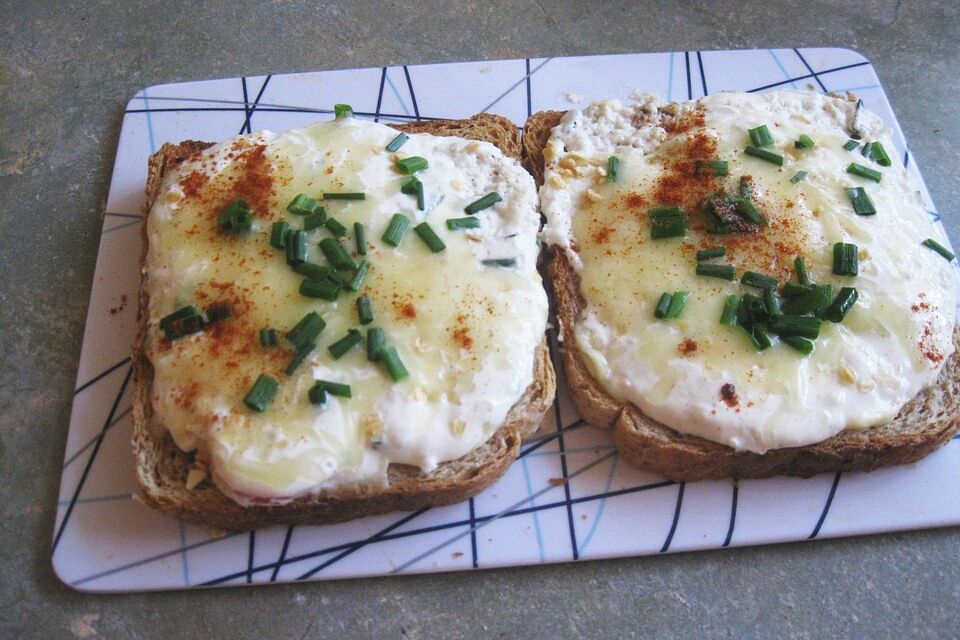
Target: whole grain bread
(924,424)
(163,469)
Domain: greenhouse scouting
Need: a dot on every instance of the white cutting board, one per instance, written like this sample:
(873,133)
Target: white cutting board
(105,541)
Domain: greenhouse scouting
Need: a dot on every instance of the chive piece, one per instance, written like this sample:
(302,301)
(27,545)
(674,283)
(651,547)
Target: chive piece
(878,154)
(184,326)
(335,227)
(722,271)
(268,337)
(761,136)
(166,322)
(754,279)
(746,187)
(375,342)
(865,151)
(765,155)
(278,234)
(499,262)
(364,309)
(729,315)
(838,309)
(862,204)
(296,247)
(845,259)
(299,357)
(707,254)
(261,394)
(335,388)
(677,303)
(485,202)
(235,217)
(397,228)
(719,168)
(812,298)
(413,187)
(315,219)
(303,205)
(747,209)
(429,237)
(337,255)
(659,214)
(217,312)
(757,336)
(864,172)
(342,111)
(613,168)
(360,238)
(312,270)
(800,266)
(791,290)
(930,243)
(772,302)
(667,222)
(393,364)
(412,164)
(317,394)
(344,195)
(802,345)
(663,305)
(339,348)
(397,142)
(357,280)
(803,326)
(850,145)
(798,176)
(855,126)
(328,289)
(306,331)
(455,224)
(804,142)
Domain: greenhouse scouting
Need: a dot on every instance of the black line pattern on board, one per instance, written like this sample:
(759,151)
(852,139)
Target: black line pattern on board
(686,63)
(815,75)
(826,507)
(249,108)
(100,376)
(383,81)
(114,214)
(473,534)
(413,96)
(283,554)
(733,513)
(676,519)
(529,89)
(516,84)
(574,548)
(703,75)
(120,416)
(807,76)
(251,550)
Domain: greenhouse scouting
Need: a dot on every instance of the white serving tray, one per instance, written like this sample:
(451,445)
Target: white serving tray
(600,508)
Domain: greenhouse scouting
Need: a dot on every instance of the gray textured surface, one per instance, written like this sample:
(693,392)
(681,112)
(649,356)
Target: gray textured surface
(66,73)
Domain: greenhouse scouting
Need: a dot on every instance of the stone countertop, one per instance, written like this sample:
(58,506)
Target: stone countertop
(66,72)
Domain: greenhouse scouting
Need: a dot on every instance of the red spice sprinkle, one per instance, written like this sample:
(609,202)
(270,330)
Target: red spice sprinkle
(603,235)
(193,182)
(728,393)
(687,347)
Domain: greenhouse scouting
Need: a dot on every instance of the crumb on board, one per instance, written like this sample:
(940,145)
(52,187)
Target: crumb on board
(555,482)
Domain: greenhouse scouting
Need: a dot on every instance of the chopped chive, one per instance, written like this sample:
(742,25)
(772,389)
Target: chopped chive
(613,168)
(315,219)
(455,224)
(235,217)
(166,322)
(184,326)
(707,254)
(771,301)
(217,312)
(313,270)
(864,172)
(930,243)
(360,238)
(392,363)
(800,266)
(765,155)
(364,309)
(328,289)
(344,195)
(754,279)
(397,142)
(412,164)
(878,154)
(335,388)
(798,176)
(802,345)
(303,205)
(757,336)
(268,337)
(278,234)
(663,305)
(337,255)
(296,247)
(838,309)
(677,303)
(855,126)
(413,187)
(865,151)
(499,262)
(317,394)
(729,315)
(397,228)
(747,209)
(335,227)
(306,331)
(375,341)
(761,136)
(299,357)
(719,168)
(429,237)
(261,394)
(850,145)
(746,187)
(722,271)
(339,348)
(791,290)
(342,111)
(804,142)
(791,325)
(812,298)
(357,280)
(659,214)
(485,202)
(845,259)
(667,222)
(862,204)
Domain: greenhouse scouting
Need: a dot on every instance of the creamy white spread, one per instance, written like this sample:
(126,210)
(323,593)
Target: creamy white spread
(694,374)
(466,332)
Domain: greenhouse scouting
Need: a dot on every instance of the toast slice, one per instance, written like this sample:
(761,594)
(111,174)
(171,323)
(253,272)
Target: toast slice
(163,469)
(924,424)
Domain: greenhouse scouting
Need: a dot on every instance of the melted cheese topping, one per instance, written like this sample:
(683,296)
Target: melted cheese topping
(703,378)
(466,332)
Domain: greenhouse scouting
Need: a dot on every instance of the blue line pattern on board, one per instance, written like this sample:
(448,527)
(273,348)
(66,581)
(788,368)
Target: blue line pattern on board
(600,507)
(676,519)
(733,513)
(826,506)
(535,514)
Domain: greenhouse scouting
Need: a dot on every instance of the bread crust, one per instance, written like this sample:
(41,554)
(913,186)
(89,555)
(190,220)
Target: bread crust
(162,468)
(923,425)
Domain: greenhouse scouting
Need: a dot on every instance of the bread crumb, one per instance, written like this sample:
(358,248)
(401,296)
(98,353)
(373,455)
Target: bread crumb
(195,476)
(371,426)
(866,385)
(846,374)
(457,427)
(557,182)
(593,196)
(568,163)
(556,482)
(601,172)
(82,627)
(457,554)
(216,534)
